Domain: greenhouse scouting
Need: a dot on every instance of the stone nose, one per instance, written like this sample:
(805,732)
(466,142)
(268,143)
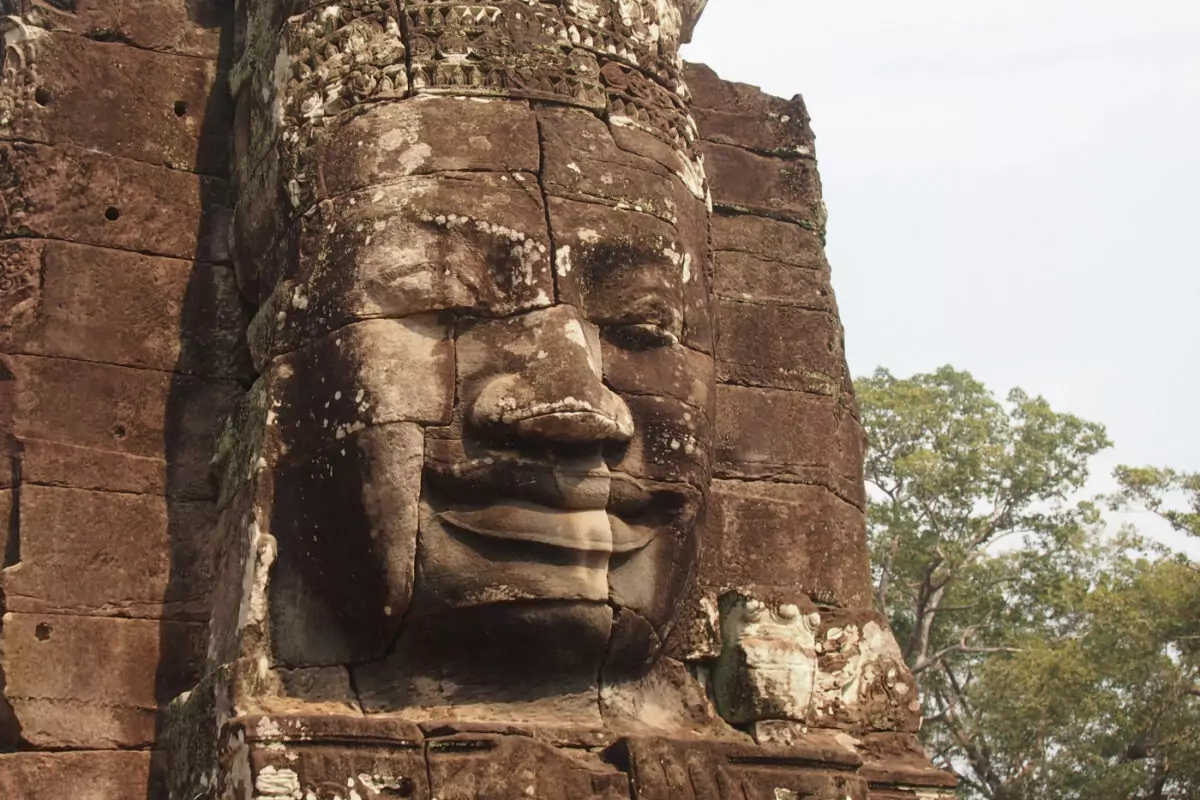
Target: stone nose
(551,387)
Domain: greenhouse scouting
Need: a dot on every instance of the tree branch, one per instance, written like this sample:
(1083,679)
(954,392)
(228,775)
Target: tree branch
(961,647)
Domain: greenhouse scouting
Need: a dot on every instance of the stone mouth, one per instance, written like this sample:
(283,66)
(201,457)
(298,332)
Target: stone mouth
(590,530)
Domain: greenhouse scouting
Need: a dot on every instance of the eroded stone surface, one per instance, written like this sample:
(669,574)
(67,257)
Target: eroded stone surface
(78,706)
(779,538)
(88,775)
(177,26)
(791,436)
(156,562)
(662,769)
(467,767)
(87,197)
(463,537)
(722,109)
(109,306)
(71,84)
(791,661)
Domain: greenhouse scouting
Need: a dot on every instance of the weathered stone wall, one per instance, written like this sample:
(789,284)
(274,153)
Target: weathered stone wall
(796,643)
(123,328)
(121,339)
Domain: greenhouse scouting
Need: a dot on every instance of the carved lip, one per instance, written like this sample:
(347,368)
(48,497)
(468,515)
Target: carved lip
(592,530)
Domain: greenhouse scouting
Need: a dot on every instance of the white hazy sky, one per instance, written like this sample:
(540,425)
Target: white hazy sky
(1013,187)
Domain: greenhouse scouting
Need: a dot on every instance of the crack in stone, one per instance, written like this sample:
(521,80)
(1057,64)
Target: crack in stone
(782,155)
(546,206)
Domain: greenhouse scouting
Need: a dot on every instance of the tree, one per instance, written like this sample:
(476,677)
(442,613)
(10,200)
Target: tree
(1152,487)
(1052,659)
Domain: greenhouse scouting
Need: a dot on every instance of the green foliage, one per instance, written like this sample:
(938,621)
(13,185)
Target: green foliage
(1152,488)
(1055,661)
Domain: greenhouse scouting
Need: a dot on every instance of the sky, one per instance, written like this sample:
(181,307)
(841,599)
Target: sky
(1013,189)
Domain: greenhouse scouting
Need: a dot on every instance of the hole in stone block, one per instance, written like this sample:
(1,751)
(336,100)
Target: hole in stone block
(181,108)
(42,96)
(118,431)
(112,213)
(42,631)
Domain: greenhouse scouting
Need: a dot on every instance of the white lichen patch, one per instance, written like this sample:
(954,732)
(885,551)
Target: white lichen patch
(562,261)
(692,174)
(574,331)
(256,577)
(267,728)
(274,782)
(299,299)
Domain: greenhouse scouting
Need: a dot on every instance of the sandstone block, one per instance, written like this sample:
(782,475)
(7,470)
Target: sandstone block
(782,347)
(828,669)
(863,684)
(746,278)
(744,116)
(746,182)
(344,518)
(21,265)
(676,371)
(132,412)
(240,549)
(94,775)
(458,568)
(649,581)
(191,27)
(620,268)
(791,436)
(898,769)
(78,704)
(693,226)
(48,463)
(665,769)
(8,536)
(109,554)
(366,770)
(127,102)
(469,241)
(769,240)
(102,305)
(537,378)
(73,194)
(672,445)
(371,373)
(342,58)
(768,667)
(426,135)
(780,539)
(473,664)
(509,61)
(581,161)
(640,142)
(470,766)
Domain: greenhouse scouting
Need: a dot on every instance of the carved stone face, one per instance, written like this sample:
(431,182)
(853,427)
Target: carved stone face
(484,341)
(570,476)
(470,432)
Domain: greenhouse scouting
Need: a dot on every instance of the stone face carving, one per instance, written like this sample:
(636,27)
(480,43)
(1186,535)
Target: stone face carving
(484,417)
(536,463)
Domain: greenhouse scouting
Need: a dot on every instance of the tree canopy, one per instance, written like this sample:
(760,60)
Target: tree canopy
(1056,657)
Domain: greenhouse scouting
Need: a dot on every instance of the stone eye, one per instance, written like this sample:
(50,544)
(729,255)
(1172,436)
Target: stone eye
(642,336)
